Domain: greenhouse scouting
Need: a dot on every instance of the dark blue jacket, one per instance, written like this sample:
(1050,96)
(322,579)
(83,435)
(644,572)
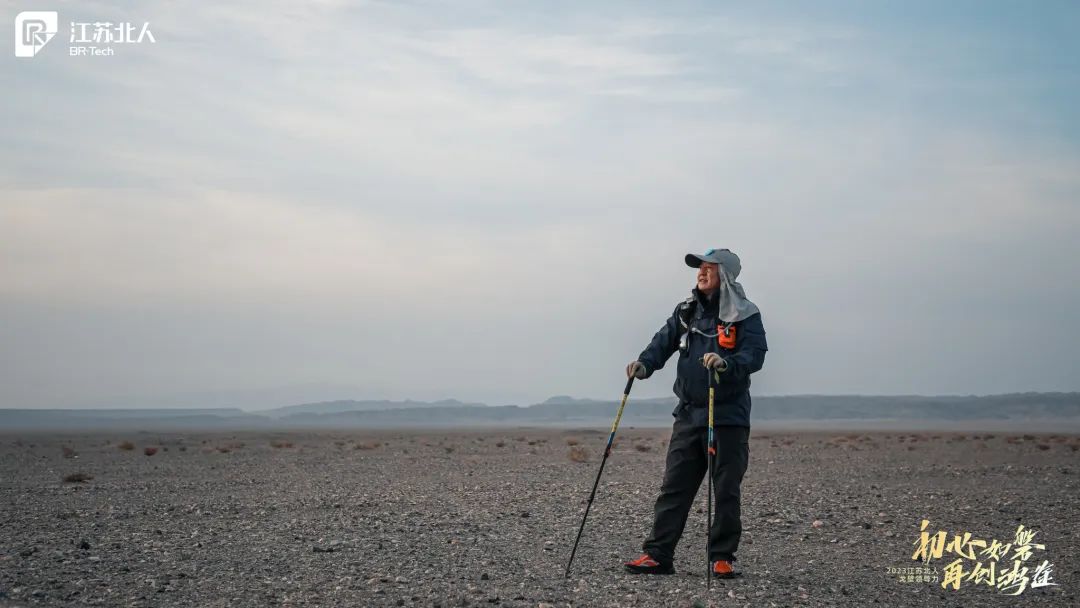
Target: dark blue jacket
(731,403)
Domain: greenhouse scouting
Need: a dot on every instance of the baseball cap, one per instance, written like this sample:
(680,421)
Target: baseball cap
(723,257)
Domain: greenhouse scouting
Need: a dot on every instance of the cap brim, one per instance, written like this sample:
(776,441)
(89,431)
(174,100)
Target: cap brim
(694,260)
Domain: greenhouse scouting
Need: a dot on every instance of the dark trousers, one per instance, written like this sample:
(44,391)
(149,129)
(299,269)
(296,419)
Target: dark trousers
(687,464)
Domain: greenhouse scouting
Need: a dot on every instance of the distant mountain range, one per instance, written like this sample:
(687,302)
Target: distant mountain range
(338,407)
(557,411)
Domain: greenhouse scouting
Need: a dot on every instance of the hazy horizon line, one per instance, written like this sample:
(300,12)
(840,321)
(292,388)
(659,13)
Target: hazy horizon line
(557,396)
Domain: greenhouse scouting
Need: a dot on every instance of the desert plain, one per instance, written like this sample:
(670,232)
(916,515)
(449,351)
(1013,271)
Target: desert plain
(487,518)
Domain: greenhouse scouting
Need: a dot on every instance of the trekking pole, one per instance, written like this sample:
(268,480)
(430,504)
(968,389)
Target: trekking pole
(710,453)
(607,452)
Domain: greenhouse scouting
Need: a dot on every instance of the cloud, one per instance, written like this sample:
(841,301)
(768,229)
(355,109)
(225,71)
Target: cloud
(116,248)
(293,195)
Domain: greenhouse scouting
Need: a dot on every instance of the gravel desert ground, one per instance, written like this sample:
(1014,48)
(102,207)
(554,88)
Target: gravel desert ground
(456,518)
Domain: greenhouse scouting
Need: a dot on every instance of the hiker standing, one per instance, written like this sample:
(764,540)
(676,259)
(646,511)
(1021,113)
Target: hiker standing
(715,331)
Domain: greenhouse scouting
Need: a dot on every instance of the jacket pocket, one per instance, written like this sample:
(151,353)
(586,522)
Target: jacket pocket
(678,408)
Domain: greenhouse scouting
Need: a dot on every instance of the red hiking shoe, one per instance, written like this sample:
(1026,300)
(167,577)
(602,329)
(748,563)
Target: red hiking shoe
(722,568)
(647,565)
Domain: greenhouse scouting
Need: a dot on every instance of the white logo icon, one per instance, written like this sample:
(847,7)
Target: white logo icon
(33,30)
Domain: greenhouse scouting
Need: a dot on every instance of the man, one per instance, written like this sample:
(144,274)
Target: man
(716,331)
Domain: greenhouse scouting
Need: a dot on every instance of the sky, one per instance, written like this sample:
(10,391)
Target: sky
(278,202)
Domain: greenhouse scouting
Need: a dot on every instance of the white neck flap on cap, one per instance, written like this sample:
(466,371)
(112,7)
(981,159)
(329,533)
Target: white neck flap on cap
(732,300)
